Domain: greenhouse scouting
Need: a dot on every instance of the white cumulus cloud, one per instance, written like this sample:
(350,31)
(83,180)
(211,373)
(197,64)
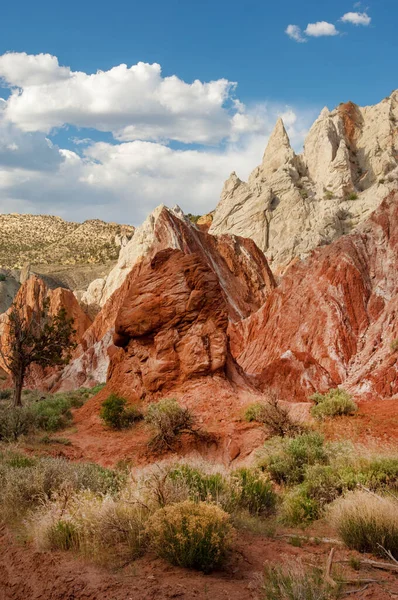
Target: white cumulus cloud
(124,181)
(133,103)
(321,28)
(21,69)
(357,18)
(295,33)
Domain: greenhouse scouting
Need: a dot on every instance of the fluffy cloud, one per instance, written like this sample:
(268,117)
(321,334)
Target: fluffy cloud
(356,18)
(21,69)
(124,181)
(134,103)
(295,33)
(126,178)
(322,28)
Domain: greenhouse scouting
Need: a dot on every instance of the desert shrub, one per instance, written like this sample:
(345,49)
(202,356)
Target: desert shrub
(2,277)
(287,459)
(99,526)
(255,492)
(334,403)
(48,412)
(191,534)
(5,394)
(275,417)
(52,414)
(169,420)
(367,523)
(201,486)
(62,535)
(15,422)
(352,196)
(293,582)
(298,508)
(255,412)
(379,472)
(25,484)
(116,414)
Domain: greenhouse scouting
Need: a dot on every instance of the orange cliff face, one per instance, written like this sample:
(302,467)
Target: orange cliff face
(240,268)
(31,296)
(171,327)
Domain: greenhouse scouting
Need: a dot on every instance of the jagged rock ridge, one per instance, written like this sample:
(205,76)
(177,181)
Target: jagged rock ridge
(294,203)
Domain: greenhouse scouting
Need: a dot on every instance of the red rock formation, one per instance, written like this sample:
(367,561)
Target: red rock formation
(31,297)
(333,318)
(172,326)
(240,268)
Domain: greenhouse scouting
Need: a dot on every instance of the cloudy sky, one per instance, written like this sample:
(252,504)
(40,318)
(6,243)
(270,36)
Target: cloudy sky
(108,109)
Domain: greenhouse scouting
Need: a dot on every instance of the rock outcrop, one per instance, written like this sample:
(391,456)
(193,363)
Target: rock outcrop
(294,203)
(171,326)
(333,319)
(8,288)
(241,270)
(31,296)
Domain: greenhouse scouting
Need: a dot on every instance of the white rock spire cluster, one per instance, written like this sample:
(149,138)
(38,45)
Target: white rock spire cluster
(293,203)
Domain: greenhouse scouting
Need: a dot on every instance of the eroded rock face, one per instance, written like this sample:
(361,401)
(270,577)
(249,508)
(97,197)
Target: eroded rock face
(332,320)
(171,326)
(294,203)
(240,268)
(31,297)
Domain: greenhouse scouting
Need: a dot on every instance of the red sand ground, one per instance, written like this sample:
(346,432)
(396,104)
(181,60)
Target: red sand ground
(26,574)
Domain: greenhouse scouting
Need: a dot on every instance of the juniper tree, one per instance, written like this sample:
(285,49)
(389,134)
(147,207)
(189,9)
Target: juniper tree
(35,337)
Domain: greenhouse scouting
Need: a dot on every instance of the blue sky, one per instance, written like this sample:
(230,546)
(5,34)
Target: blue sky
(81,164)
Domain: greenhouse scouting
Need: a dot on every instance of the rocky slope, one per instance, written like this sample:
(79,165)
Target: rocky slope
(40,239)
(243,276)
(294,203)
(333,318)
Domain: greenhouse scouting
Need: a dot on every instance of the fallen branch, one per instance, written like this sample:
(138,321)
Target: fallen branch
(311,539)
(329,563)
(357,591)
(389,554)
(380,565)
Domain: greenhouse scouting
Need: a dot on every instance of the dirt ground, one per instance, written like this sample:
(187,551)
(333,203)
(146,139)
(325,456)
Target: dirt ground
(26,574)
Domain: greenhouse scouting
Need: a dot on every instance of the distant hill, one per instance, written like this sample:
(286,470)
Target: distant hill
(49,240)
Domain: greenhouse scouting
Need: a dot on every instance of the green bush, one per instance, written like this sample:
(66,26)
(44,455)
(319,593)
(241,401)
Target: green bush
(352,196)
(48,412)
(169,420)
(334,403)
(52,414)
(63,535)
(367,523)
(286,460)
(2,277)
(201,486)
(116,414)
(191,534)
(255,492)
(298,508)
(15,422)
(5,394)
